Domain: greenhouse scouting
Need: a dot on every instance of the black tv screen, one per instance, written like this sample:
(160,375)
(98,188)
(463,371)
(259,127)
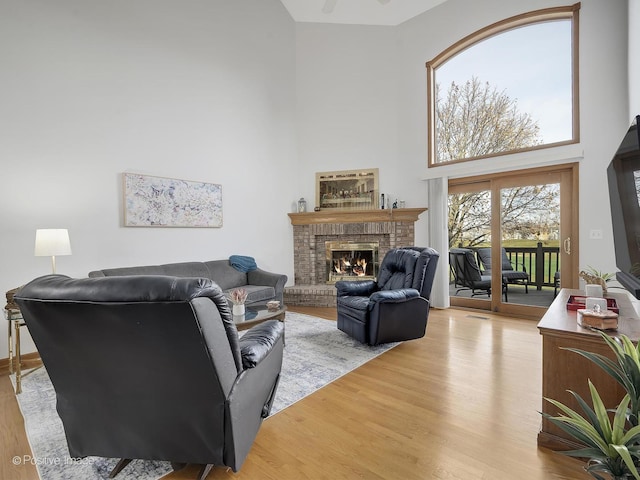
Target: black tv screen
(623,176)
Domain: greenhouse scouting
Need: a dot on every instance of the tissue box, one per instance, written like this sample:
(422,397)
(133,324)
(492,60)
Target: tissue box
(606,320)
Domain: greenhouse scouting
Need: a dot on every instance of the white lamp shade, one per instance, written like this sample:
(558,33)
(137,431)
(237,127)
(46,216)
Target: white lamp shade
(52,242)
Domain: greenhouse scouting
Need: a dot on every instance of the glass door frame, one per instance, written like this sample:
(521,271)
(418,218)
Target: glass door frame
(567,176)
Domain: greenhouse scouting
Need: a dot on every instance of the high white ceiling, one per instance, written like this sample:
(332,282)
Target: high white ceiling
(362,12)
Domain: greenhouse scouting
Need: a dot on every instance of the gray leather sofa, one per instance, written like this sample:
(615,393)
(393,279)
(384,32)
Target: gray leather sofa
(261,286)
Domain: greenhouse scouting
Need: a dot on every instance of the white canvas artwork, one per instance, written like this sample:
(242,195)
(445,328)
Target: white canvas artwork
(168,202)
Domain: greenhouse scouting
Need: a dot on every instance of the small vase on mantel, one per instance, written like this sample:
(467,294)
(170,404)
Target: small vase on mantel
(238,309)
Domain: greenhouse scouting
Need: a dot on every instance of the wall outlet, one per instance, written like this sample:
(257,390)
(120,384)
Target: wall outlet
(595,234)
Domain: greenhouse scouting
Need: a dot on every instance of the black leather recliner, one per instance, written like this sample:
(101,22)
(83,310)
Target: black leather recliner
(396,306)
(151,367)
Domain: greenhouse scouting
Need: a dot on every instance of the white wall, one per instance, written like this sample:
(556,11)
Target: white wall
(193,89)
(347,106)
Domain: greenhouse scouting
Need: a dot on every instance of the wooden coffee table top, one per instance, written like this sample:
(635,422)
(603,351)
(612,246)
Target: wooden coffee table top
(255,314)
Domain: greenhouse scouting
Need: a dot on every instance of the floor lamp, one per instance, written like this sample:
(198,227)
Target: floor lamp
(52,242)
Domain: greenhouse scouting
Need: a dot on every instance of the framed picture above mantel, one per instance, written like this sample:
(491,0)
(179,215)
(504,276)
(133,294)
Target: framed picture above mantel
(347,189)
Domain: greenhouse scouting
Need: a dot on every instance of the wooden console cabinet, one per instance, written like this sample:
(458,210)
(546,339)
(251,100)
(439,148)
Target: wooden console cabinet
(563,370)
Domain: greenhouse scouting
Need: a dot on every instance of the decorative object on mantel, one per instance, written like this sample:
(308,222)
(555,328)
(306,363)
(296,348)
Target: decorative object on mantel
(238,297)
(347,189)
(168,202)
(302,205)
(385,202)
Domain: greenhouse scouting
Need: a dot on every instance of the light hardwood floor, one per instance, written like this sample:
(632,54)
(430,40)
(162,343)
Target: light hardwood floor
(460,403)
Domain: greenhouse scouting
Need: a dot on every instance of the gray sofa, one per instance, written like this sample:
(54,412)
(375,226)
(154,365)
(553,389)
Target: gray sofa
(261,286)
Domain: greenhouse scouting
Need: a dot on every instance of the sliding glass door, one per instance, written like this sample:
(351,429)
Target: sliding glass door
(511,237)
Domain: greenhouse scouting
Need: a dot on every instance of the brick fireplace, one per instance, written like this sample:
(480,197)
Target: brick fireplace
(313,230)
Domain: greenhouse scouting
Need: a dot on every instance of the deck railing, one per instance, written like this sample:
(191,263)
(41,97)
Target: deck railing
(540,262)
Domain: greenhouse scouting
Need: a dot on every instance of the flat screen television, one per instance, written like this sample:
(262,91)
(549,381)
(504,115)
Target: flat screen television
(623,176)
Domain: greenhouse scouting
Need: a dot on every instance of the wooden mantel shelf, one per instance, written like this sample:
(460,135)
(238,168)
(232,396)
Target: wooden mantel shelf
(357,216)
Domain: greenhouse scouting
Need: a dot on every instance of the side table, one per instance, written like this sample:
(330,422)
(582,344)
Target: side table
(14,322)
(563,370)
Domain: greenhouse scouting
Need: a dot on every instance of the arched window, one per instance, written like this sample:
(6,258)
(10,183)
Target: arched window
(509,87)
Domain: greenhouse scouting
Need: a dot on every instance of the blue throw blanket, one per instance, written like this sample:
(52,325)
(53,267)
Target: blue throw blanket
(242,263)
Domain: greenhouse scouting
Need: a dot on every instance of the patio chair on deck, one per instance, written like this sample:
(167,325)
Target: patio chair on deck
(509,274)
(467,274)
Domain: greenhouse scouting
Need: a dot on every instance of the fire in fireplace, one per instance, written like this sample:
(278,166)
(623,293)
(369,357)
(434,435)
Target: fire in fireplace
(351,261)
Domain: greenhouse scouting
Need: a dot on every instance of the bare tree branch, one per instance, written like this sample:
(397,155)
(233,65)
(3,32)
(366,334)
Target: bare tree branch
(474,120)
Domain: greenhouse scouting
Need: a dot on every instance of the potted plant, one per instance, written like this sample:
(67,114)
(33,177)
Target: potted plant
(238,296)
(611,447)
(595,277)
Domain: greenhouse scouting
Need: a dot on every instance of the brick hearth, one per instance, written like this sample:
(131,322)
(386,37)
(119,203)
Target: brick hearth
(391,228)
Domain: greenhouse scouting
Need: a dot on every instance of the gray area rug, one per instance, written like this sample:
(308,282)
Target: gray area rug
(316,353)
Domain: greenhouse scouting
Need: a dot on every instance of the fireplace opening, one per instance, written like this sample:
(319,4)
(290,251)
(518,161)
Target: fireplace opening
(351,261)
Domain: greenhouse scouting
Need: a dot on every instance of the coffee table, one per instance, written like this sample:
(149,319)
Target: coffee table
(255,314)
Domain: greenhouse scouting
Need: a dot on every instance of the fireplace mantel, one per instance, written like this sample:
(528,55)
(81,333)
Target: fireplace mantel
(357,216)
(312,231)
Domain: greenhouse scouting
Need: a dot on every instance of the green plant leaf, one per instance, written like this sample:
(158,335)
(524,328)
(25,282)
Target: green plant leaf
(577,432)
(598,273)
(619,419)
(632,438)
(591,453)
(601,412)
(591,416)
(590,435)
(630,349)
(626,457)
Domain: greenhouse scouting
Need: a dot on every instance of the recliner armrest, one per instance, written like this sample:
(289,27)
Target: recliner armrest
(353,288)
(393,296)
(258,341)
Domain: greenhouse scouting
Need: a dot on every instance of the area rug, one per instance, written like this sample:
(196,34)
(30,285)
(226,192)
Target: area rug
(316,353)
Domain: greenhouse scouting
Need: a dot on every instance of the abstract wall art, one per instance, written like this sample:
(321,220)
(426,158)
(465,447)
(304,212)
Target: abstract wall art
(168,202)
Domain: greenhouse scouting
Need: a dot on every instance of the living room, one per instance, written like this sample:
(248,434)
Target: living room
(235,92)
